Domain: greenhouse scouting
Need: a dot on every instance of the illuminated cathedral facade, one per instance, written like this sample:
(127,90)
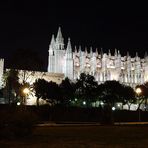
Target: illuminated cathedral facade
(103,66)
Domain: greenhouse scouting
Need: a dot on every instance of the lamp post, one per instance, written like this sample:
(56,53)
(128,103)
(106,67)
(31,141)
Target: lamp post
(138,92)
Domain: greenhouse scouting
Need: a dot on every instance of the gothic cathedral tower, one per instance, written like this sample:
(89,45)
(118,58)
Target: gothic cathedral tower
(60,60)
(69,62)
(103,66)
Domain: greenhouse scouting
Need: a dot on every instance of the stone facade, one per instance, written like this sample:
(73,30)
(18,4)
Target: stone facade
(1,71)
(103,66)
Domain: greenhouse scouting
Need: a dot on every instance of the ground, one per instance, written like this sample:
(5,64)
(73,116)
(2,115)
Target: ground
(81,136)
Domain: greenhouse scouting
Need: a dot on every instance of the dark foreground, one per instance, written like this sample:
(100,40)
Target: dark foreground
(82,136)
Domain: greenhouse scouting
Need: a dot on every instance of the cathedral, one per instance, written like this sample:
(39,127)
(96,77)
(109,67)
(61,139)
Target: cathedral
(65,61)
(72,62)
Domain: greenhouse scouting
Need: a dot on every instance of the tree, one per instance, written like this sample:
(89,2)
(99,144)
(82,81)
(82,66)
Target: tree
(11,85)
(110,92)
(41,88)
(86,88)
(48,91)
(67,89)
(53,94)
(127,95)
(143,95)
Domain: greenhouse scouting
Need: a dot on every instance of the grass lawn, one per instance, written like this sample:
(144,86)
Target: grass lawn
(81,137)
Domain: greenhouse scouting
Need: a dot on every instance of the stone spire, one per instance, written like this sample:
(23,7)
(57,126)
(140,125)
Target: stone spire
(52,46)
(86,53)
(119,53)
(137,57)
(75,51)
(109,53)
(80,51)
(59,39)
(69,49)
(127,54)
(115,54)
(52,43)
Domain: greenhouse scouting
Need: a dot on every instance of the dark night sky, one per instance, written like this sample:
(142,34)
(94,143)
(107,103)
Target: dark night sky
(29,25)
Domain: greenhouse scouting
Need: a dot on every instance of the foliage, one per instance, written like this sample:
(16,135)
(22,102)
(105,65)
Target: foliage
(86,88)
(127,95)
(110,92)
(67,89)
(41,88)
(1,92)
(11,85)
(143,96)
(48,91)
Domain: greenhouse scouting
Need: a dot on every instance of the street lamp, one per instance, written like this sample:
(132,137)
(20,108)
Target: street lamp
(138,92)
(26,91)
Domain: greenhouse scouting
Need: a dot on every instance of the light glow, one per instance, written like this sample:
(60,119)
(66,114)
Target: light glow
(26,91)
(113,108)
(18,103)
(138,91)
(84,102)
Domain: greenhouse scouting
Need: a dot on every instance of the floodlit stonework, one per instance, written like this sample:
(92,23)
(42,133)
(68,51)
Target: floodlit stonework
(65,61)
(29,77)
(1,71)
(103,66)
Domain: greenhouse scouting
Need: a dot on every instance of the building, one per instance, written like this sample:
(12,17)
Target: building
(103,66)
(65,61)
(1,71)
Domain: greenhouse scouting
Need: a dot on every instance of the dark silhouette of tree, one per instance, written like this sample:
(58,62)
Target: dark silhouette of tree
(41,88)
(127,95)
(86,88)
(13,89)
(1,92)
(53,94)
(48,91)
(11,85)
(110,92)
(67,89)
(142,97)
